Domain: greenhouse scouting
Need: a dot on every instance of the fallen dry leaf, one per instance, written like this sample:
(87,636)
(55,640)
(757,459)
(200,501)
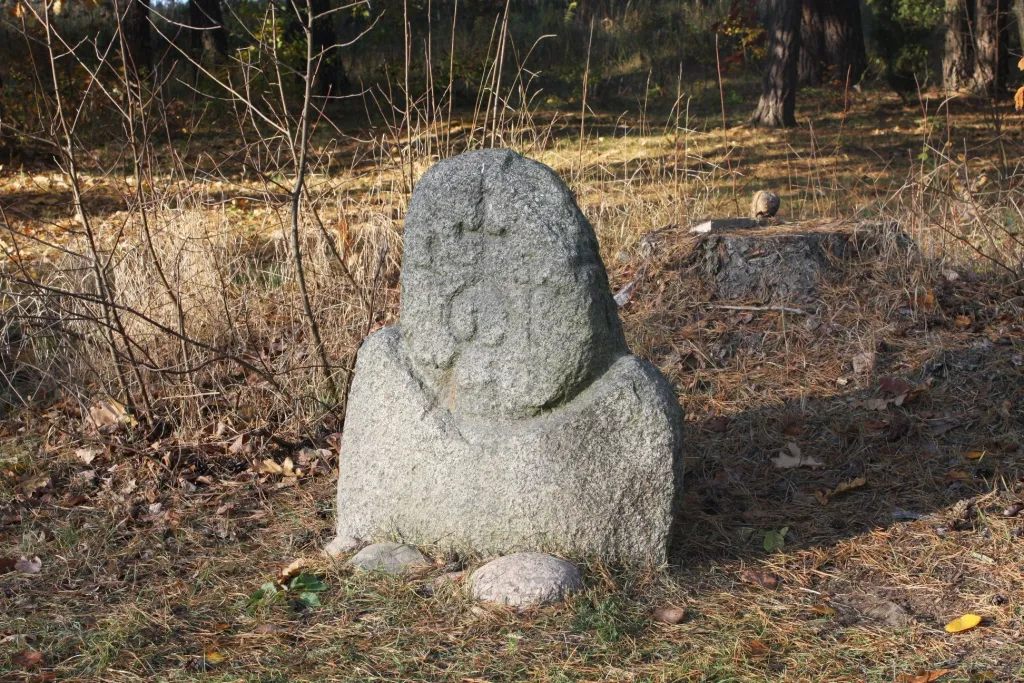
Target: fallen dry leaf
(849,485)
(963,623)
(31,485)
(923,676)
(86,455)
(824,610)
(974,454)
(824,496)
(763,579)
(293,569)
(27,659)
(962,321)
(873,403)
(7,564)
(239,445)
(894,385)
(757,648)
(108,416)
(864,362)
(268,466)
(669,615)
(794,458)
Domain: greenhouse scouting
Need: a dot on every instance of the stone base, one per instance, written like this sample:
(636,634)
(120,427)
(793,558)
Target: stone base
(595,477)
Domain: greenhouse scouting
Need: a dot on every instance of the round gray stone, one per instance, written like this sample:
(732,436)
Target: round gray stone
(525,580)
(391,558)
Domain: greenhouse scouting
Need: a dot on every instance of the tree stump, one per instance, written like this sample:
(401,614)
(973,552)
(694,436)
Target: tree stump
(785,262)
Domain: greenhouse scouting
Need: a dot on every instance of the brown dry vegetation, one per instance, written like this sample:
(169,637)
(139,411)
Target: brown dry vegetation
(150,550)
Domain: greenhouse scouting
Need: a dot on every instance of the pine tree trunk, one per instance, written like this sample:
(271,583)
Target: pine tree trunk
(210,39)
(776,108)
(331,78)
(1018,14)
(813,62)
(844,42)
(986,48)
(831,42)
(135,26)
(958,59)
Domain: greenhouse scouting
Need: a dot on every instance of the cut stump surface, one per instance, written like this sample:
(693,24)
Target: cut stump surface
(785,262)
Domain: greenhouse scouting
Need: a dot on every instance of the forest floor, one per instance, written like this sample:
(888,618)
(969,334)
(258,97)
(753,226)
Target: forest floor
(903,387)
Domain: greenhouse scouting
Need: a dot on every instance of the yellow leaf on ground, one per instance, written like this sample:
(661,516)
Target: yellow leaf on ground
(974,455)
(964,623)
(849,485)
(268,466)
(923,676)
(1020,64)
(1018,98)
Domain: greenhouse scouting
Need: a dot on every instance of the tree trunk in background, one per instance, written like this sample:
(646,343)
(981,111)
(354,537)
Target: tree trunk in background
(831,37)
(778,91)
(135,27)
(331,78)
(1018,13)
(1003,72)
(986,48)
(813,63)
(958,58)
(212,40)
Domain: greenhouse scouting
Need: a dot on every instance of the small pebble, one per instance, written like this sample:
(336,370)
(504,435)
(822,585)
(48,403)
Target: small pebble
(1013,510)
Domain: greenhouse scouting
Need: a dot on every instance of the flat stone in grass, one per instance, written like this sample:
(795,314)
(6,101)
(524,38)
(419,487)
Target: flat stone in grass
(525,580)
(391,558)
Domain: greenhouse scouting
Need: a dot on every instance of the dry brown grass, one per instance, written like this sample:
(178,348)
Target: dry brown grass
(150,550)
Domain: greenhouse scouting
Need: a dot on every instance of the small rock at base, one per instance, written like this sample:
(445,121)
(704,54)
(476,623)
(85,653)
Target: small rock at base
(391,558)
(341,545)
(525,580)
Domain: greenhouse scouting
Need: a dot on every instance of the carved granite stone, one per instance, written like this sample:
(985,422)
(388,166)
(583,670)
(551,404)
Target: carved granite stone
(505,413)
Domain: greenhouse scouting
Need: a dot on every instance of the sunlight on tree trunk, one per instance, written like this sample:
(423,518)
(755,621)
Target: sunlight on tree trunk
(987,48)
(778,92)
(957,61)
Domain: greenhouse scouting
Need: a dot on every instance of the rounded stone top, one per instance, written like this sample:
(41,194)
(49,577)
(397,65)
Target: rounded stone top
(525,580)
(506,309)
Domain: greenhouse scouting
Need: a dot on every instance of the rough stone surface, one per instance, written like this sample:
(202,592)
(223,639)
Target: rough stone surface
(504,413)
(393,558)
(505,301)
(525,580)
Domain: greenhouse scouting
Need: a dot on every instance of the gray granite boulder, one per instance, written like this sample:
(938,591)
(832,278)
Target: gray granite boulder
(525,580)
(505,413)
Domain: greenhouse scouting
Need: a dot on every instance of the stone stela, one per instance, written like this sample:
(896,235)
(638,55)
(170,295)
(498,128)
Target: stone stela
(505,413)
